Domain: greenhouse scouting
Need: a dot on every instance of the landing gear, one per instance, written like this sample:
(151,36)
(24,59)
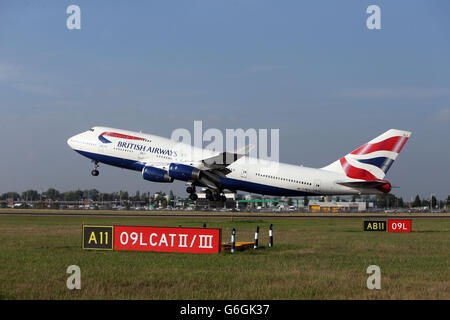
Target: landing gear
(95,172)
(192,195)
(215,195)
(190,190)
(211,195)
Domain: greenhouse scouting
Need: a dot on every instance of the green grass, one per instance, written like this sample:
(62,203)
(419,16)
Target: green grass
(312,259)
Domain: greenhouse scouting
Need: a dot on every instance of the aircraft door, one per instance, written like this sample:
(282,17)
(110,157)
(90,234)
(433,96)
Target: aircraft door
(316,185)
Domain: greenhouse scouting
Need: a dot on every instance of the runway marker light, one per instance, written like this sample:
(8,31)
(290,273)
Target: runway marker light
(233,240)
(271,236)
(256,238)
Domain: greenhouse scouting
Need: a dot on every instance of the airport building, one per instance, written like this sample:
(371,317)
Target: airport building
(317,206)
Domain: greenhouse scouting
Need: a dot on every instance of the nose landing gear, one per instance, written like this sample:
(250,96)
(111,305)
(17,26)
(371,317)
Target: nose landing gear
(95,172)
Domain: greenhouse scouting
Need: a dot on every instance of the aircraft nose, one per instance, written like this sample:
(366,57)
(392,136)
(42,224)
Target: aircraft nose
(70,142)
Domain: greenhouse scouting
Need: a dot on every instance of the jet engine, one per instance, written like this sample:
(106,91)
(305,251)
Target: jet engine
(184,172)
(156,174)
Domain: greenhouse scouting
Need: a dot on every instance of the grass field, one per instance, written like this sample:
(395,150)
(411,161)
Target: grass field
(311,259)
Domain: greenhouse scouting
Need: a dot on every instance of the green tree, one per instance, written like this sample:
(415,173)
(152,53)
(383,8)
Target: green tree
(11,196)
(123,195)
(145,196)
(93,194)
(52,194)
(68,196)
(78,195)
(30,195)
(417,202)
(433,202)
(386,200)
(305,201)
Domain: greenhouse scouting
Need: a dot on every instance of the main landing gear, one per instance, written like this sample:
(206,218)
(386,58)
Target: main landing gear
(211,195)
(95,172)
(192,195)
(215,195)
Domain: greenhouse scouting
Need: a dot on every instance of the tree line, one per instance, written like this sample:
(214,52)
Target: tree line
(52,195)
(391,201)
(80,195)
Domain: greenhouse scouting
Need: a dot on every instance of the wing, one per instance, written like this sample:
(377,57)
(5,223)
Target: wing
(224,159)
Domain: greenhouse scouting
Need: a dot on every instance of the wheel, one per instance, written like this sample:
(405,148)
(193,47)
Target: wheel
(95,172)
(189,189)
(193,196)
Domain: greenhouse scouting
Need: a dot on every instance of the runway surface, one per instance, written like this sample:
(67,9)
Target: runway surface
(215,215)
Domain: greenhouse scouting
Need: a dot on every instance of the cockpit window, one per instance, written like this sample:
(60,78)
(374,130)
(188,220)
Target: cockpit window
(91,129)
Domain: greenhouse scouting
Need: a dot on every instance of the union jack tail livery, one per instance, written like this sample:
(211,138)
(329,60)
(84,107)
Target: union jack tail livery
(372,161)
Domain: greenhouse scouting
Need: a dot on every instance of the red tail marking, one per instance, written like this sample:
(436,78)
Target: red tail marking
(356,173)
(394,144)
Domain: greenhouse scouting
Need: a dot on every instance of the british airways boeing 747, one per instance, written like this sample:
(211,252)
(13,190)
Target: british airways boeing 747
(361,171)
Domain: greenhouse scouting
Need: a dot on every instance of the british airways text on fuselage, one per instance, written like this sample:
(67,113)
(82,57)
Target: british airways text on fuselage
(140,147)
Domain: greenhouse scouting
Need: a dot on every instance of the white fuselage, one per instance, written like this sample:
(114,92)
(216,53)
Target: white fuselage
(136,150)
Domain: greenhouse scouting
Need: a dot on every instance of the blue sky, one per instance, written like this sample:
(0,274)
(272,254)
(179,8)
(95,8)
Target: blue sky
(310,68)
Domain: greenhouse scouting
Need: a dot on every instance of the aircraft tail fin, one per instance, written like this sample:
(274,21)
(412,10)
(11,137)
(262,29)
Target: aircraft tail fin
(372,160)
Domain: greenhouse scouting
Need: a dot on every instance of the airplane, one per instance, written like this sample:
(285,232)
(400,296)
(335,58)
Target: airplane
(160,159)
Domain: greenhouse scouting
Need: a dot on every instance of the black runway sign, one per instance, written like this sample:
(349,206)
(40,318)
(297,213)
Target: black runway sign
(375,225)
(98,237)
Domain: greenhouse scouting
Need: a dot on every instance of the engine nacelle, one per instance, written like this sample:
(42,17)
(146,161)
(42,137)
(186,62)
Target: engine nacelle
(184,172)
(385,188)
(156,175)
